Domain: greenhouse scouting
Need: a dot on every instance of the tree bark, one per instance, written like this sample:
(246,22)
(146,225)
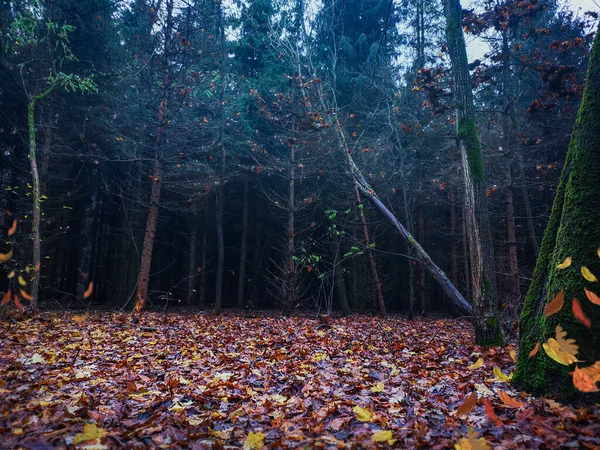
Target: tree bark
(339,282)
(203,259)
(192,266)
(571,232)
(421,221)
(150,233)
(488,330)
(35,224)
(243,249)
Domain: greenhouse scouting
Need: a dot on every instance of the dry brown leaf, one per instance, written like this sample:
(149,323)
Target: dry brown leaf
(467,406)
(89,290)
(583,381)
(13,228)
(6,256)
(555,305)
(568,345)
(7,297)
(491,414)
(533,352)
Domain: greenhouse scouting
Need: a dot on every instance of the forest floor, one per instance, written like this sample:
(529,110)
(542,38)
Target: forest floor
(200,381)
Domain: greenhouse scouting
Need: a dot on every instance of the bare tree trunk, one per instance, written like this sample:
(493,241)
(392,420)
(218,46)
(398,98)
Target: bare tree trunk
(535,245)
(192,267)
(244,248)
(454,250)
(203,259)
(339,282)
(220,198)
(150,233)
(487,326)
(47,150)
(289,265)
(35,224)
(258,257)
(466,258)
(421,220)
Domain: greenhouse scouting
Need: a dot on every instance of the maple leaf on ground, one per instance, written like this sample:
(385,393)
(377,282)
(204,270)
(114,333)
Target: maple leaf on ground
(254,441)
(362,414)
(383,436)
(90,433)
(472,442)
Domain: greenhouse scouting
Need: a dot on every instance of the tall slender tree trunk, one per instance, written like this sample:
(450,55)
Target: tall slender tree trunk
(454,237)
(243,248)
(152,220)
(290,266)
(220,197)
(258,257)
(35,224)
(422,280)
(192,266)
(535,245)
(573,232)
(409,226)
(488,330)
(203,259)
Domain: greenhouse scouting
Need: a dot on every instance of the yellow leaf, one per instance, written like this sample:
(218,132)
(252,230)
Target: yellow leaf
(362,414)
(378,387)
(553,350)
(6,256)
(472,442)
(598,252)
(11,275)
(254,441)
(383,436)
(566,263)
(477,364)
(90,432)
(588,275)
(513,355)
(501,375)
(22,281)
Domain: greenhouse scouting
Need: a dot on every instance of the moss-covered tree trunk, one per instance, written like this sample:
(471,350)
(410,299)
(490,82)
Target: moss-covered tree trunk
(573,231)
(481,251)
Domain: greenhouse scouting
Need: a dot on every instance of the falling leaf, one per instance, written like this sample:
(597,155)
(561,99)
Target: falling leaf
(592,297)
(26,295)
(477,364)
(472,442)
(254,441)
(512,354)
(509,401)
(598,252)
(383,436)
(11,275)
(6,256)
(6,298)
(13,228)
(362,414)
(554,351)
(90,432)
(566,263)
(533,352)
(555,305)
(491,414)
(567,345)
(584,382)
(18,304)
(580,315)
(89,290)
(21,280)
(501,375)
(588,275)
(467,406)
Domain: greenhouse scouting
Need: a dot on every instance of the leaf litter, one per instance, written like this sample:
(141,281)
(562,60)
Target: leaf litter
(198,381)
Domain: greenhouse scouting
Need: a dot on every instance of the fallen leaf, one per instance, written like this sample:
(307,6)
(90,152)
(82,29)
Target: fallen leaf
(80,318)
(583,381)
(379,387)
(6,298)
(580,315)
(533,352)
(555,305)
(566,263)
(592,297)
(501,375)
(383,436)
(509,401)
(588,275)
(254,441)
(90,432)
(467,406)
(362,414)
(477,364)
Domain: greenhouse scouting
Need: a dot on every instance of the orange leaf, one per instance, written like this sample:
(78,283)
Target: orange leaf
(468,405)
(580,315)
(583,382)
(12,229)
(555,305)
(81,318)
(6,298)
(18,304)
(491,414)
(26,295)
(89,290)
(533,352)
(509,401)
(592,297)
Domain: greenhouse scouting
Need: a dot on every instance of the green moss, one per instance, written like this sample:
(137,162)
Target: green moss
(572,231)
(467,132)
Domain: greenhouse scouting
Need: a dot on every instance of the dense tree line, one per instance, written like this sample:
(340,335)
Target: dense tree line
(241,154)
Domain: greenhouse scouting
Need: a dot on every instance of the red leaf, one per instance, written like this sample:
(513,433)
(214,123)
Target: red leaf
(555,305)
(580,315)
(491,414)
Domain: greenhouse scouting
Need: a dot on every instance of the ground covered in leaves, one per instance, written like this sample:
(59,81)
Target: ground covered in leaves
(199,381)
